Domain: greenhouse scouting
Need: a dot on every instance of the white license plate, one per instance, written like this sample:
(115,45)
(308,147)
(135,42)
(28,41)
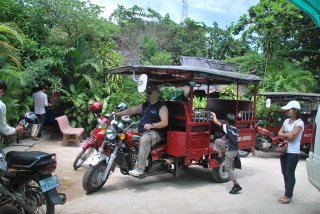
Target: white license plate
(49,183)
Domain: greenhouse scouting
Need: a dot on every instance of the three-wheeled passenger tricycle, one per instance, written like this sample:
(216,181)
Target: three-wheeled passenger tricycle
(267,138)
(190,133)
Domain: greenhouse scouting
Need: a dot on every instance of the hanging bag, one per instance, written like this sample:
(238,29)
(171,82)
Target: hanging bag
(281,148)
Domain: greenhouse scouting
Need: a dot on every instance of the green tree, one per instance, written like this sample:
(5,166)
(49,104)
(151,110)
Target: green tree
(143,32)
(28,16)
(7,50)
(135,14)
(279,28)
(285,76)
(75,18)
(161,58)
(148,47)
(250,62)
(222,44)
(191,39)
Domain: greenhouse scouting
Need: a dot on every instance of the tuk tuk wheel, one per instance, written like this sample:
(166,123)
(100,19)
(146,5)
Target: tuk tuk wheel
(219,174)
(243,154)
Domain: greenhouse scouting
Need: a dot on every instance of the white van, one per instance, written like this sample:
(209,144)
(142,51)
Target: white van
(313,161)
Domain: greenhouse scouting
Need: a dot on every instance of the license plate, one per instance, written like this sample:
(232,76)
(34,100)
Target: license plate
(49,183)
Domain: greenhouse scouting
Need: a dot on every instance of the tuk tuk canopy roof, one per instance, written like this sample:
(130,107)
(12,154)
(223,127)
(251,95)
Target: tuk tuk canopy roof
(177,75)
(291,96)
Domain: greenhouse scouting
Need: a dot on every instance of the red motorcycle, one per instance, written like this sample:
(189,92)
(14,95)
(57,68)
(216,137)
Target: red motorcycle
(266,141)
(120,148)
(97,135)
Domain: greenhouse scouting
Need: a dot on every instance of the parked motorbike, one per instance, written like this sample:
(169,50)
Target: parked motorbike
(121,147)
(265,140)
(26,180)
(95,140)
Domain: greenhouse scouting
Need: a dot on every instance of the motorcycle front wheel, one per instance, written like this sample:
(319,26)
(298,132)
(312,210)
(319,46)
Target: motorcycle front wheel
(82,157)
(93,178)
(35,197)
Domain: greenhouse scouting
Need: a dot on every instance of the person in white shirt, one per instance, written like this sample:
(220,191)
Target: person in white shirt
(40,102)
(291,131)
(5,129)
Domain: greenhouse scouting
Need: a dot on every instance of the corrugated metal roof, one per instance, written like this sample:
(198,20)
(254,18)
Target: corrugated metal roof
(290,95)
(207,63)
(176,75)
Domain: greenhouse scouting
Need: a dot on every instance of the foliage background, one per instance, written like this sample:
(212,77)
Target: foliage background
(67,46)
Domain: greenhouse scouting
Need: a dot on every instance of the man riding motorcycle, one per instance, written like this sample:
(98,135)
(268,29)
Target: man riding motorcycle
(152,126)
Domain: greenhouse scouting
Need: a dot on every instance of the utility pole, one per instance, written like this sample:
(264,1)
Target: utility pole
(184,12)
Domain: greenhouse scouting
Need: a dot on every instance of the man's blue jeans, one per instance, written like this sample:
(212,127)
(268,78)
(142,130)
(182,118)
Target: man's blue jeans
(41,118)
(289,163)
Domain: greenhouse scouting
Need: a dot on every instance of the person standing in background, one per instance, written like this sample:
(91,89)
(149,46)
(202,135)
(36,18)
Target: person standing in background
(291,131)
(40,102)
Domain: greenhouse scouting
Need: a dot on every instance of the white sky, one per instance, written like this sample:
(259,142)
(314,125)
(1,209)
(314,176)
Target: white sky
(224,12)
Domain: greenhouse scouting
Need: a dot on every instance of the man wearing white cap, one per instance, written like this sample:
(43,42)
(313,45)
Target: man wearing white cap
(291,131)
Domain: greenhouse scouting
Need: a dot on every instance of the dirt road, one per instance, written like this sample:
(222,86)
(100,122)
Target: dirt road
(192,192)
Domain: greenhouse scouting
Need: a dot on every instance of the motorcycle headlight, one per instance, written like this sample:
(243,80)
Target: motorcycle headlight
(120,125)
(111,133)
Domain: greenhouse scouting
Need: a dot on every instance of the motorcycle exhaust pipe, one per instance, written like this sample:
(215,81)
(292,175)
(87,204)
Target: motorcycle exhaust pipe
(57,198)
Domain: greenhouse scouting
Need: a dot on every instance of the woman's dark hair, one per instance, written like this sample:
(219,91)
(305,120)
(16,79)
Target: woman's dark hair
(298,114)
(231,119)
(3,85)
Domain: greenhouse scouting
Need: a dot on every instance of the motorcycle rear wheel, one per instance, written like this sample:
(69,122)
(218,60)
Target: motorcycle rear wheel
(243,153)
(93,178)
(82,157)
(46,206)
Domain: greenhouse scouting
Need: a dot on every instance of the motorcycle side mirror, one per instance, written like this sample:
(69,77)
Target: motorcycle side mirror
(142,81)
(268,103)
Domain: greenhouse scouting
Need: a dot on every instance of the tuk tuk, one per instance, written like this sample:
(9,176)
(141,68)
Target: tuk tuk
(274,120)
(190,132)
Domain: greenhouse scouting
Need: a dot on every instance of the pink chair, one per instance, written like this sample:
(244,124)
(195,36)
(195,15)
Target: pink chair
(69,133)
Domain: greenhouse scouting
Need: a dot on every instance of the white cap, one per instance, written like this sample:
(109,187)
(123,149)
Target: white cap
(292,104)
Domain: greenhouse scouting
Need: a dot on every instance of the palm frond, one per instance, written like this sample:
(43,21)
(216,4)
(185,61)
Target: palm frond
(5,28)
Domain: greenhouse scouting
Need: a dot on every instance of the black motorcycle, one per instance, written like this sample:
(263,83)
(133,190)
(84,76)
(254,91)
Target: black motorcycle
(26,180)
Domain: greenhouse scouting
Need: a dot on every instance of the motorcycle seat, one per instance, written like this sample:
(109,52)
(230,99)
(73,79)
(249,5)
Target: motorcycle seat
(162,142)
(26,159)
